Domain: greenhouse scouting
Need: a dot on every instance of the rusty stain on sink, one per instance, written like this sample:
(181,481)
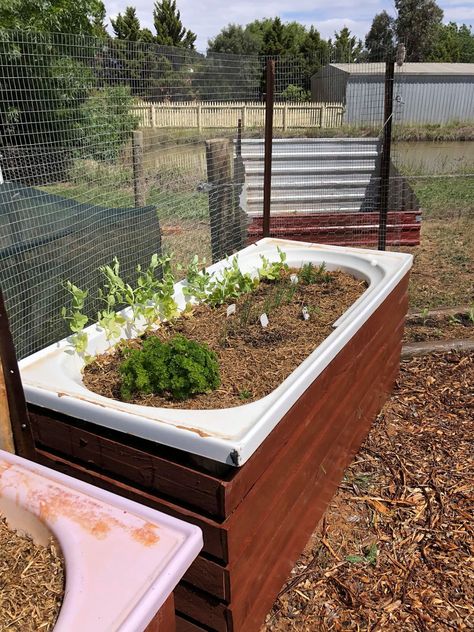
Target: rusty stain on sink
(51,503)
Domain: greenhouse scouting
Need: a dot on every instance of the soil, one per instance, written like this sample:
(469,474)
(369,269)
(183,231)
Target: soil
(440,327)
(253,360)
(394,550)
(31,583)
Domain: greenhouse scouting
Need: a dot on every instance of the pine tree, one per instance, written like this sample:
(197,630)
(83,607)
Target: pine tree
(346,47)
(169,28)
(127,26)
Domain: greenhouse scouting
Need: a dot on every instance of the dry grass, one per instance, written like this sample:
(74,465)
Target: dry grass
(31,583)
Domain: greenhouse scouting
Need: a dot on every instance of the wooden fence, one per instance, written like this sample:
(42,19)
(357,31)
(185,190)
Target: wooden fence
(219,115)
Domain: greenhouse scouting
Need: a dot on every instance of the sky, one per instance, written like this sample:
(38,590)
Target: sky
(207,17)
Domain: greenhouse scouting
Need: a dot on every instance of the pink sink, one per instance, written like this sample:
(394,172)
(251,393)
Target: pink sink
(122,560)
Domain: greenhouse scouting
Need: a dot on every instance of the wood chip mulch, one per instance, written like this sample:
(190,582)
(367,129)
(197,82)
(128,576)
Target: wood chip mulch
(455,326)
(31,583)
(395,551)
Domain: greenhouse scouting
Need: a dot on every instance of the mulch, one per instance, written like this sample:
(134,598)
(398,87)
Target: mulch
(253,360)
(459,326)
(395,551)
(31,583)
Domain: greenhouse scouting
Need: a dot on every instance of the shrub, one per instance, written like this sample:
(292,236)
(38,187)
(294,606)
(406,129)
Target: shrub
(180,368)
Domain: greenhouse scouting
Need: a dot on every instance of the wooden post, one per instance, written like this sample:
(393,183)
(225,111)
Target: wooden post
(138,170)
(219,177)
(6,432)
(267,173)
(15,432)
(386,150)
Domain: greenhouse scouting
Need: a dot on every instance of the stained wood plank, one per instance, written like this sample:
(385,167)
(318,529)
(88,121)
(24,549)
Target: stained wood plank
(202,608)
(165,618)
(149,471)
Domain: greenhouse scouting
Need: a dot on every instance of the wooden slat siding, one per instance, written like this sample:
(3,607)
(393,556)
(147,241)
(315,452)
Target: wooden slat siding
(165,618)
(309,511)
(202,608)
(317,485)
(215,538)
(312,456)
(150,472)
(184,625)
(210,577)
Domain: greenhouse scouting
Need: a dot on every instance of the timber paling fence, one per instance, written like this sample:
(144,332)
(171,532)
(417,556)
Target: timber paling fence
(221,115)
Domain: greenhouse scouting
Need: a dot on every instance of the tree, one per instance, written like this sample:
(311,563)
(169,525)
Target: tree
(169,28)
(127,26)
(346,47)
(41,98)
(417,25)
(453,43)
(236,40)
(380,40)
(54,16)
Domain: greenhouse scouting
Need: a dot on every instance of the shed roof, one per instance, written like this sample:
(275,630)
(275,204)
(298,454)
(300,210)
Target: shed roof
(410,68)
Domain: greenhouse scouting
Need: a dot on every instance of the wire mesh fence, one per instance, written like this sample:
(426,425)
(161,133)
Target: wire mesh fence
(127,148)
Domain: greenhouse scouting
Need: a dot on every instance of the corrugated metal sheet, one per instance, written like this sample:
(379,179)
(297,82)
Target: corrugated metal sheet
(418,99)
(312,175)
(421,94)
(410,68)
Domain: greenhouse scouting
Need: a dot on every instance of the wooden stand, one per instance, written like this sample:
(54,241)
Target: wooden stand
(255,519)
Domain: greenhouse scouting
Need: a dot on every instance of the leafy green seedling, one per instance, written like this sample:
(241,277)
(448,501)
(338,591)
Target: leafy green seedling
(76,318)
(245,394)
(370,556)
(275,270)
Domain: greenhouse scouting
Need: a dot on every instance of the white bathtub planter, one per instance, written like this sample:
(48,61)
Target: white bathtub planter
(122,560)
(256,477)
(52,379)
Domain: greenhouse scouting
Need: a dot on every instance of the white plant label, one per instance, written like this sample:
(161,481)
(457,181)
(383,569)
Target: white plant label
(293,279)
(231,310)
(264,320)
(305,313)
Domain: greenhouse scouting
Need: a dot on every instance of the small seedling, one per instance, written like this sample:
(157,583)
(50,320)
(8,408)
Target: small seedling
(370,556)
(273,271)
(245,394)
(76,318)
(309,274)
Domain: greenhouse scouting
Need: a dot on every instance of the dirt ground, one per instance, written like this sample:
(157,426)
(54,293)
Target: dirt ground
(395,550)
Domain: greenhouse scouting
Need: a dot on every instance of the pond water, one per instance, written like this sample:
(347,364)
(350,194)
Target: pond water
(431,157)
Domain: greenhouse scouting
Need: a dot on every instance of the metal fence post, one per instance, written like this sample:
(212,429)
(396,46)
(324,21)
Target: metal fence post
(138,170)
(267,173)
(386,150)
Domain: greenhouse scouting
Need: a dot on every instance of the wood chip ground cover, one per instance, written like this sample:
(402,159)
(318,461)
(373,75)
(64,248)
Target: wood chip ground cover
(457,326)
(395,551)
(31,583)
(253,360)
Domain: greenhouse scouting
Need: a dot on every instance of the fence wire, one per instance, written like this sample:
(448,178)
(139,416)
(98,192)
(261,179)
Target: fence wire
(127,148)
